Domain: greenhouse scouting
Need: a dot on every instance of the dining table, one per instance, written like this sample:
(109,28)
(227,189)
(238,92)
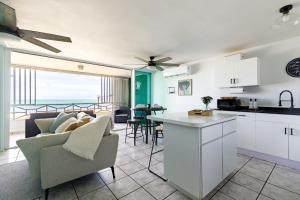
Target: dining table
(148,111)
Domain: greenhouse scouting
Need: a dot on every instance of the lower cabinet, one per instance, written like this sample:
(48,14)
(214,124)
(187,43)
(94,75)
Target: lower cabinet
(294,142)
(272,138)
(211,165)
(229,153)
(219,154)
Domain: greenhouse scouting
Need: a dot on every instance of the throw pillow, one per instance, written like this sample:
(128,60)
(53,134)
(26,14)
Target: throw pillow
(64,125)
(85,145)
(77,124)
(44,124)
(61,118)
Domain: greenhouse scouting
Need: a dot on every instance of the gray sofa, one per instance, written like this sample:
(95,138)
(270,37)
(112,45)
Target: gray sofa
(53,165)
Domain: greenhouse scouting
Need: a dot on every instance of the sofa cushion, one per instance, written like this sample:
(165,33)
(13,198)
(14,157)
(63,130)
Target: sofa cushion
(76,124)
(31,148)
(64,125)
(44,124)
(61,118)
(84,141)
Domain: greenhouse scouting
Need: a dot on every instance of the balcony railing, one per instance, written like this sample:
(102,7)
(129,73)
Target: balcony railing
(22,110)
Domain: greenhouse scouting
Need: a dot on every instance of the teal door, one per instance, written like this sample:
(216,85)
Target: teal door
(142,88)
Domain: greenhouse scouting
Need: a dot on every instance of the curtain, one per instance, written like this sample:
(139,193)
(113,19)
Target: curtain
(120,91)
(4,96)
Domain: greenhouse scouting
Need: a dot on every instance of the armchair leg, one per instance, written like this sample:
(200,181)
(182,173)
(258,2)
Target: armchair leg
(46,193)
(113,171)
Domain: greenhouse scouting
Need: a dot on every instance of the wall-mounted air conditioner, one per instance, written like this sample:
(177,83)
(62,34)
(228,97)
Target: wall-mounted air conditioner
(177,71)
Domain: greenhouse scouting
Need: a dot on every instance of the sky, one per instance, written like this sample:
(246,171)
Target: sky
(53,85)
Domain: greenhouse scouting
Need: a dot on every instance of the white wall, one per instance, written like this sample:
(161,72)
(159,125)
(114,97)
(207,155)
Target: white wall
(274,58)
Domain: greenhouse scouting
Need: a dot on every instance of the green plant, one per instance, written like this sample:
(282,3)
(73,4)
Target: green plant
(207,100)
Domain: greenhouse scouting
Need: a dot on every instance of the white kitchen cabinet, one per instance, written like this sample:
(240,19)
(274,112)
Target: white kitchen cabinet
(229,152)
(238,74)
(294,142)
(247,73)
(212,165)
(224,75)
(245,123)
(272,138)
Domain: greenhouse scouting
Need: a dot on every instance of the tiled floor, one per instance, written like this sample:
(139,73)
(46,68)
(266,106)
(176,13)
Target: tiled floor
(253,179)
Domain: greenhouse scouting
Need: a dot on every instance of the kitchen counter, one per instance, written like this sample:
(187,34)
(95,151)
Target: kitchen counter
(199,151)
(193,121)
(268,110)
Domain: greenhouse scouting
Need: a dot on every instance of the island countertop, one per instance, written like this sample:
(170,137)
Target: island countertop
(193,121)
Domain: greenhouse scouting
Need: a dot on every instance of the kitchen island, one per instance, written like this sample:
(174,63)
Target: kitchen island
(199,151)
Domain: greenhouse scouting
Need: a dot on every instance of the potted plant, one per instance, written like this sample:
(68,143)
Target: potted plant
(206,101)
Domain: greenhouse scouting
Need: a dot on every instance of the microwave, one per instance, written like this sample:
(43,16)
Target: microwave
(228,104)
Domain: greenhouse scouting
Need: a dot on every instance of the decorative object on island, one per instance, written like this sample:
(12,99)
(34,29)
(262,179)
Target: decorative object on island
(197,112)
(206,100)
(185,87)
(171,90)
(293,68)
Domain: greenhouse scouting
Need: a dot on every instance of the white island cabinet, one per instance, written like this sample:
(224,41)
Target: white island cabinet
(199,151)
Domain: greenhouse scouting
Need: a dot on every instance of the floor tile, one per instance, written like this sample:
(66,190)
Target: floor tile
(242,160)
(145,161)
(123,187)
(159,189)
(62,192)
(159,156)
(10,153)
(143,177)
(238,192)
(258,169)
(262,197)
(248,182)
(221,196)
(123,160)
(177,196)
(279,193)
(286,178)
(137,155)
(158,168)
(107,177)
(100,194)
(7,160)
(139,194)
(87,184)
(132,167)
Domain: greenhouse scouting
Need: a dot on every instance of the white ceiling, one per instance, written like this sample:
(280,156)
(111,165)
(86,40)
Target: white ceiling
(114,31)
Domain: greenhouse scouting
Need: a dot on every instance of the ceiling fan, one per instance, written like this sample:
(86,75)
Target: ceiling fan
(8,25)
(156,64)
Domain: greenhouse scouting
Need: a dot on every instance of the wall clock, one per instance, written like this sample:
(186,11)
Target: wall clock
(293,68)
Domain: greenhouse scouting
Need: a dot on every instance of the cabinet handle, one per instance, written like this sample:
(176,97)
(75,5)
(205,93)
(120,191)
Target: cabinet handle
(292,131)
(241,115)
(234,81)
(285,131)
(231,81)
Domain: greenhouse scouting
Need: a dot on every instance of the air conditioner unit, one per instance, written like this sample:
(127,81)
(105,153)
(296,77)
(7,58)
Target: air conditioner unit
(177,71)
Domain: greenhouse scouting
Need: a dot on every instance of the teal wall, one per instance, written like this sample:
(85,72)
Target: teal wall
(143,87)
(158,88)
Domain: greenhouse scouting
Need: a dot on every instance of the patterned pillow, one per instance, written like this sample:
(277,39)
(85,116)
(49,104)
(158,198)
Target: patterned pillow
(77,124)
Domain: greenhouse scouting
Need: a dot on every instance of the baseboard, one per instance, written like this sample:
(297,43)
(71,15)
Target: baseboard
(270,158)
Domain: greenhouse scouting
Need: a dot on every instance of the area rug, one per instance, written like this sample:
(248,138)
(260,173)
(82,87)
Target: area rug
(16,182)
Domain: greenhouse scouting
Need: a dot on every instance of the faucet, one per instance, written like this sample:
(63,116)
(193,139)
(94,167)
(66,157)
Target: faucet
(292,98)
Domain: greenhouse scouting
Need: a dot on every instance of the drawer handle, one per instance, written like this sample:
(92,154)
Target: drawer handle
(292,131)
(285,131)
(242,115)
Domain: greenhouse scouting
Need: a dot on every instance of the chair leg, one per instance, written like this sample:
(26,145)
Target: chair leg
(46,193)
(113,171)
(135,127)
(126,132)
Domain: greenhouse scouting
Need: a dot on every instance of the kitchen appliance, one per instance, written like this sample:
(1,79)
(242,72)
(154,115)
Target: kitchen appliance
(228,104)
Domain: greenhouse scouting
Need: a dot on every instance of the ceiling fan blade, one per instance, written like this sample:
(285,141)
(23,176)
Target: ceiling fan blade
(163,60)
(169,64)
(134,64)
(141,59)
(41,35)
(159,68)
(41,44)
(7,16)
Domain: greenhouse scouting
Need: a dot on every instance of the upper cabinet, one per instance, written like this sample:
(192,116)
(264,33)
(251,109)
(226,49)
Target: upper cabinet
(238,73)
